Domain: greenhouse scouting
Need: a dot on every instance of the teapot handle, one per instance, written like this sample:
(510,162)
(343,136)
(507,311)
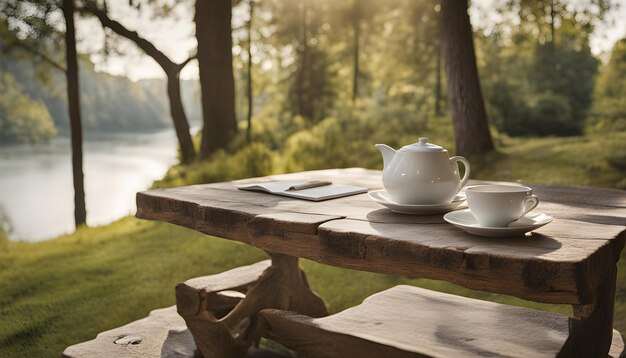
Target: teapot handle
(466,164)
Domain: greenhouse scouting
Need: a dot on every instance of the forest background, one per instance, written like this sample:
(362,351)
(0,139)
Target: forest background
(356,63)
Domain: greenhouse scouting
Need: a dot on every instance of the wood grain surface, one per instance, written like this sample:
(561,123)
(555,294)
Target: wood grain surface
(407,321)
(553,265)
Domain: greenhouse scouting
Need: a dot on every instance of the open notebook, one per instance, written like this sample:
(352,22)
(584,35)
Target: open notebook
(319,193)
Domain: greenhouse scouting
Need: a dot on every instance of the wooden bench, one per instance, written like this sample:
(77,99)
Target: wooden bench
(164,332)
(407,321)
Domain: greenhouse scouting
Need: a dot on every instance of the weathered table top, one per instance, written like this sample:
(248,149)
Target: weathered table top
(563,262)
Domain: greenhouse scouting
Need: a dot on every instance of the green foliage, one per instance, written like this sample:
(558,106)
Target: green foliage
(348,139)
(254,160)
(309,65)
(251,160)
(540,88)
(5,228)
(323,146)
(568,71)
(507,110)
(549,114)
(609,107)
(22,119)
(342,141)
(301,31)
(312,92)
(537,73)
(4,240)
(542,17)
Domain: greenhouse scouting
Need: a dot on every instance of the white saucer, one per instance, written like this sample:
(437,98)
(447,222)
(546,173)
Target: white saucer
(381,197)
(463,219)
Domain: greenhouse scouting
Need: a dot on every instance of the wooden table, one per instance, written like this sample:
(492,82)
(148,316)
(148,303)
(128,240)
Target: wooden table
(570,261)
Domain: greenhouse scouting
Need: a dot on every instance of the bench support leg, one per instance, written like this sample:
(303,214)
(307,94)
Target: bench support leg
(591,329)
(282,286)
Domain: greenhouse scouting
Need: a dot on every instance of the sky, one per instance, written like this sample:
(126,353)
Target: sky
(174,36)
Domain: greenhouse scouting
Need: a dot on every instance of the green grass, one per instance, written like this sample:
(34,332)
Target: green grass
(63,291)
(55,293)
(594,160)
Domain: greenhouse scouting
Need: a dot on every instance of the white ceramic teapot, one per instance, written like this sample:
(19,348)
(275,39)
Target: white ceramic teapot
(422,173)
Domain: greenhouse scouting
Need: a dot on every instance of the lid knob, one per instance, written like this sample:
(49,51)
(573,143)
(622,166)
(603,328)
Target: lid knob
(422,146)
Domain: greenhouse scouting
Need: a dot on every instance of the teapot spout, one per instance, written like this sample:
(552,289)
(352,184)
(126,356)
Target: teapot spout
(387,153)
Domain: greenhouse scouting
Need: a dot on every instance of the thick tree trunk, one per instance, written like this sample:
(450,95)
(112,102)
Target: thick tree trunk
(73,99)
(250,99)
(217,84)
(471,130)
(172,71)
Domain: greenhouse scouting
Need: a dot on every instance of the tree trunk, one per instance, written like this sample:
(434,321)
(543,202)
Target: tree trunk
(171,69)
(356,23)
(438,83)
(73,99)
(217,84)
(471,130)
(250,99)
(552,17)
(303,50)
(178,115)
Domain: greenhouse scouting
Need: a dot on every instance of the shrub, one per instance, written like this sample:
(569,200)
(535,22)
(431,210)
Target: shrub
(252,160)
(551,114)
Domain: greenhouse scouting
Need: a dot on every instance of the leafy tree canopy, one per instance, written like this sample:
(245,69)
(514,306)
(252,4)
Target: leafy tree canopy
(22,119)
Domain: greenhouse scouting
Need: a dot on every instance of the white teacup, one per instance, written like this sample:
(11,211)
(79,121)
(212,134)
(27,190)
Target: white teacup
(500,205)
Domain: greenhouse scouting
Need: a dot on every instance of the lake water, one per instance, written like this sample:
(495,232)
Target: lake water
(36,189)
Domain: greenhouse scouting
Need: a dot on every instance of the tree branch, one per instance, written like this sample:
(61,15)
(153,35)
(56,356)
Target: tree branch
(184,63)
(147,47)
(35,52)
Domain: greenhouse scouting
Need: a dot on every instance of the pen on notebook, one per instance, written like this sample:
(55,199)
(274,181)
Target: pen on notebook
(308,185)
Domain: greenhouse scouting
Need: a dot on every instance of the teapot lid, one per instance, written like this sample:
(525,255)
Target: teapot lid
(422,146)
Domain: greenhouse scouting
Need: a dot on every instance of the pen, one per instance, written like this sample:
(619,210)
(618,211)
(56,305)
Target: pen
(309,185)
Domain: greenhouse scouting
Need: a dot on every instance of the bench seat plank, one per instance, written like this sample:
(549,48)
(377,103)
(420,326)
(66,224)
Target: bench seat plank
(407,321)
(221,289)
(162,334)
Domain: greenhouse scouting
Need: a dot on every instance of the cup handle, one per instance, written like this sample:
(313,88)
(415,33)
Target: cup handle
(531,198)
(466,164)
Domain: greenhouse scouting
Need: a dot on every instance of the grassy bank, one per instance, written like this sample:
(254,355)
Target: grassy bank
(63,291)
(66,290)
(593,160)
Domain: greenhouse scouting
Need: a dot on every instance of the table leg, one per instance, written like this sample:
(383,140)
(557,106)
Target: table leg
(281,286)
(591,329)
